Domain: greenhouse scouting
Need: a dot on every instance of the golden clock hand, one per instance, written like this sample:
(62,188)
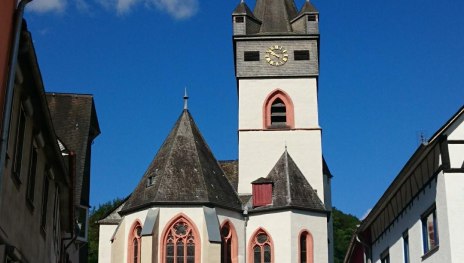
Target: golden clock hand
(274,54)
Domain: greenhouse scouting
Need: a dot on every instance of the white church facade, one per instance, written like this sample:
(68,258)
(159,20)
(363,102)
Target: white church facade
(274,203)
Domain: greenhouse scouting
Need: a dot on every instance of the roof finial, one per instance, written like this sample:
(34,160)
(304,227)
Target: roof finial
(285,146)
(185,99)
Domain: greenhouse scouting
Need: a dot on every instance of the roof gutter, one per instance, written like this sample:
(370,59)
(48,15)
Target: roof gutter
(10,86)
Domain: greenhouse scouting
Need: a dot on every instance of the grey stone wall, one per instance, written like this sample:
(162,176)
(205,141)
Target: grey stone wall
(262,68)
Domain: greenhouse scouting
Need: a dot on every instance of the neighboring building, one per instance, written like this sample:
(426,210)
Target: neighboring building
(274,204)
(418,218)
(76,125)
(44,183)
(7,14)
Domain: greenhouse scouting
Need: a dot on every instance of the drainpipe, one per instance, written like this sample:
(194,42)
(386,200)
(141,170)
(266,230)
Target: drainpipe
(10,86)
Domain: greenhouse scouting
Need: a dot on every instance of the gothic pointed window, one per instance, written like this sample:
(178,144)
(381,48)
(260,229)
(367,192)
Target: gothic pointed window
(229,243)
(306,247)
(135,244)
(181,242)
(278,111)
(261,248)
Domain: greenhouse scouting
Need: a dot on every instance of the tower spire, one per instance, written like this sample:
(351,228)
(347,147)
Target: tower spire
(185,99)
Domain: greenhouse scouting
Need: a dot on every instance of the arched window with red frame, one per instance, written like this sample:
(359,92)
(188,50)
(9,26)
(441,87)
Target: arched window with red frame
(278,112)
(135,244)
(306,247)
(229,246)
(181,242)
(260,249)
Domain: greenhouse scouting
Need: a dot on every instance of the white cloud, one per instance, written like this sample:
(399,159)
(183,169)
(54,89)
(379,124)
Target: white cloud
(124,6)
(43,6)
(179,9)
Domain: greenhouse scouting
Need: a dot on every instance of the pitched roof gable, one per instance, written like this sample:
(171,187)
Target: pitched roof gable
(291,189)
(184,171)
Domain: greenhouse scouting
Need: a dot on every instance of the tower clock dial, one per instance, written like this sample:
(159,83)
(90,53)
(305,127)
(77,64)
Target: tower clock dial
(276,55)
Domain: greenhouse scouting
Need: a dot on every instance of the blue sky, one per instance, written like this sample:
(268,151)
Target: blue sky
(390,70)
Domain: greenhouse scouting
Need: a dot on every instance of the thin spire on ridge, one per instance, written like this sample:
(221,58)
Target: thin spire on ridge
(185,99)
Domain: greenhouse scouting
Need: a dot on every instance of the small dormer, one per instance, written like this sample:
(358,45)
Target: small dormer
(243,20)
(307,20)
(262,192)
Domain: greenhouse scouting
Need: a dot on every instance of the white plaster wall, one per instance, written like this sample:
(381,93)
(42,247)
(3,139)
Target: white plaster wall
(284,228)
(239,223)
(316,224)
(456,152)
(456,131)
(104,243)
(454,188)
(260,150)
(253,93)
(278,226)
(410,220)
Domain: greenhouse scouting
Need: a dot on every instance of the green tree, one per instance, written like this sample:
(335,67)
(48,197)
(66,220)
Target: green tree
(95,215)
(344,225)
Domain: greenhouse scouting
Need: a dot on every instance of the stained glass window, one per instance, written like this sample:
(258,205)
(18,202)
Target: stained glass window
(262,248)
(306,247)
(226,246)
(135,243)
(180,243)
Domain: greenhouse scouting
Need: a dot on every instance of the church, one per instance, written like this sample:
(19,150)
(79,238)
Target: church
(271,205)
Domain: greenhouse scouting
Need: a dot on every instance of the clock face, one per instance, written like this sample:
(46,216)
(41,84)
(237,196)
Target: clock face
(276,55)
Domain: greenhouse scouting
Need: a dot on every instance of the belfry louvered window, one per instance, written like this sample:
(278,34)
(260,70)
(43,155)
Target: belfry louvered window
(278,113)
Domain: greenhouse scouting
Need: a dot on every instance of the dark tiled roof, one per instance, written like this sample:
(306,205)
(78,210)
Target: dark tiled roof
(76,125)
(243,9)
(262,180)
(275,15)
(325,169)
(230,168)
(184,171)
(308,8)
(291,189)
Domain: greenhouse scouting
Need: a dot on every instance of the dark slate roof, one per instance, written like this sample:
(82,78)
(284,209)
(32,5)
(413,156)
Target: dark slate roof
(243,9)
(262,180)
(76,125)
(230,168)
(325,168)
(184,171)
(291,189)
(275,15)
(308,8)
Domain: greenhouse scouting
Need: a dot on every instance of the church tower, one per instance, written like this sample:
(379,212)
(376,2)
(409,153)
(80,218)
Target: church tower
(276,55)
(277,67)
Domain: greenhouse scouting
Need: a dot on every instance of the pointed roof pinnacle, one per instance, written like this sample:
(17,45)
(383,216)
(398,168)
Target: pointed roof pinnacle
(185,99)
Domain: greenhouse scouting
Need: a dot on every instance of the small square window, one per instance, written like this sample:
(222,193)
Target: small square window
(301,54)
(251,56)
(312,18)
(239,19)
(429,230)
